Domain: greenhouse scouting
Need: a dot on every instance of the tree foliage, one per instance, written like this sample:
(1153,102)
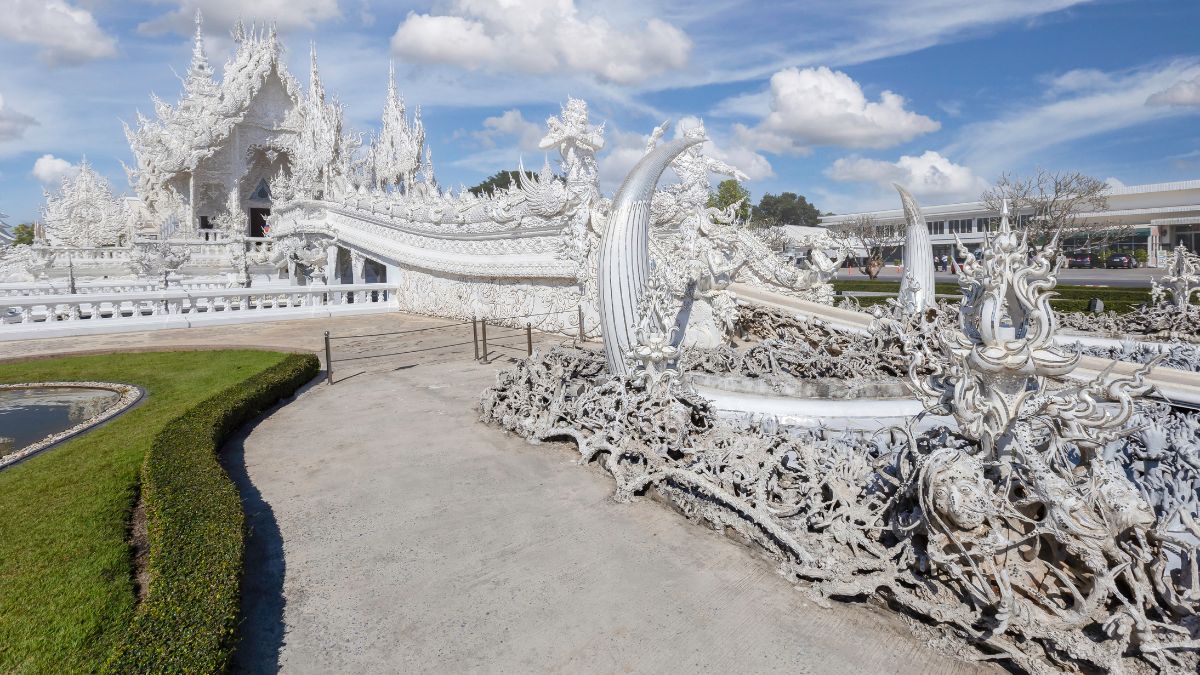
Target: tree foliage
(728,193)
(1048,202)
(787,208)
(23,234)
(500,180)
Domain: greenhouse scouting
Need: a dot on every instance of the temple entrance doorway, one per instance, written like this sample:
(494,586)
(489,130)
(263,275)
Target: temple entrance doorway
(258,221)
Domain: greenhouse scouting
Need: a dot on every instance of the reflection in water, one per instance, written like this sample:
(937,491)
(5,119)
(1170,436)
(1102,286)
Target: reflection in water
(31,414)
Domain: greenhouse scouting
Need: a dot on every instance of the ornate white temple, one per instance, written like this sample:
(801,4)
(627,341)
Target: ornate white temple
(253,178)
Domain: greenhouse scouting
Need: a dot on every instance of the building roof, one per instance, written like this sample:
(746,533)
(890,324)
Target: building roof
(206,115)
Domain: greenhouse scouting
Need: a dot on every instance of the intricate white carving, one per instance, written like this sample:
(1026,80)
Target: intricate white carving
(85,213)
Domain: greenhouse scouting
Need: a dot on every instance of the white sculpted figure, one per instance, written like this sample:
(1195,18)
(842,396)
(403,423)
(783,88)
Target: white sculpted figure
(1181,280)
(85,213)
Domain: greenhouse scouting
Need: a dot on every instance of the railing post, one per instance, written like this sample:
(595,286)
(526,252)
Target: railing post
(475,336)
(328,360)
(528,339)
(582,334)
(483,330)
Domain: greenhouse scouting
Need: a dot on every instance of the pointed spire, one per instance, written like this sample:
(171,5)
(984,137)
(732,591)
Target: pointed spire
(391,80)
(1004,217)
(199,67)
(316,90)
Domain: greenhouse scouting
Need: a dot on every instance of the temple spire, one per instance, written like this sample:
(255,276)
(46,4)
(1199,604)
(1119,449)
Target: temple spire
(199,67)
(316,90)
(391,82)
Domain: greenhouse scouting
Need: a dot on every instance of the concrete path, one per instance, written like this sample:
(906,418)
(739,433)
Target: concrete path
(391,531)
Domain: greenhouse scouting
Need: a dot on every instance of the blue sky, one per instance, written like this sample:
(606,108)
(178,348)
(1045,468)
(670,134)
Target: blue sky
(833,99)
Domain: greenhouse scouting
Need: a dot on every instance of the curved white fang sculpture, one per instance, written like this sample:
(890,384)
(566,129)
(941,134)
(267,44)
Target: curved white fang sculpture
(625,252)
(916,288)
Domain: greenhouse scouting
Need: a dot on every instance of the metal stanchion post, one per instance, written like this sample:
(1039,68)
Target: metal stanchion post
(582,334)
(483,331)
(328,360)
(475,337)
(528,339)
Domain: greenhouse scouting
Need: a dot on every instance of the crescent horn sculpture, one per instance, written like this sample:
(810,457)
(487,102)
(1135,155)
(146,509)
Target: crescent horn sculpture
(625,252)
(916,288)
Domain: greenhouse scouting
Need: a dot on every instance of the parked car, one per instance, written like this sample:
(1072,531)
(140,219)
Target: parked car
(1121,260)
(1082,261)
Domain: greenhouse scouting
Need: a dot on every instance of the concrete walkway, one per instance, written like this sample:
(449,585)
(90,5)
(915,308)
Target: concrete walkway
(391,531)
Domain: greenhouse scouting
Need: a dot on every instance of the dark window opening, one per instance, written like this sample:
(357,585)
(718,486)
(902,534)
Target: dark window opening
(258,222)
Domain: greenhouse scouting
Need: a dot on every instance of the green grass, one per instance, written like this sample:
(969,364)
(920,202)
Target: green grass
(66,591)
(1068,298)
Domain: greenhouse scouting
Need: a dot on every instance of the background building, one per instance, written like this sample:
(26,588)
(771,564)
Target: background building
(1156,217)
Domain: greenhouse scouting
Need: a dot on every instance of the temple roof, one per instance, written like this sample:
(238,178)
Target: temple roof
(206,115)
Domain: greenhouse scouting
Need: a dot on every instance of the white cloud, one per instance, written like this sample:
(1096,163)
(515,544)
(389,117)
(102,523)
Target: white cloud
(50,170)
(65,33)
(13,123)
(285,14)
(819,106)
(510,124)
(541,36)
(1118,100)
(926,175)
(1182,93)
(847,32)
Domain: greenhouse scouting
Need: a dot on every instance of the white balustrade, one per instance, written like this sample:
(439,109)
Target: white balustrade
(90,313)
(61,287)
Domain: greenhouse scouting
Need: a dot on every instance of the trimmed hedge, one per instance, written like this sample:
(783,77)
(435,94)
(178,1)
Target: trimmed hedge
(194,522)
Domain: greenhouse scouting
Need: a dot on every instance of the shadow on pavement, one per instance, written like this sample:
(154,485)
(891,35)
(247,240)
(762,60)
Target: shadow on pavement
(260,633)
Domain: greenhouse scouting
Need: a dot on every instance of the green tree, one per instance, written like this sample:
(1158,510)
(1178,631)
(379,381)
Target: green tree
(498,181)
(23,234)
(728,193)
(788,208)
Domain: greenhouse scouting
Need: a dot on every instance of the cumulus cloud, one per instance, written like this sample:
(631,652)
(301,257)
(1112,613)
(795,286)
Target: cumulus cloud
(926,175)
(285,14)
(1182,93)
(510,124)
(50,170)
(13,123)
(819,106)
(66,34)
(541,36)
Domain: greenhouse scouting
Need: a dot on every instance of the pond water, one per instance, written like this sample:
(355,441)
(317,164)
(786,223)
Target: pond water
(28,415)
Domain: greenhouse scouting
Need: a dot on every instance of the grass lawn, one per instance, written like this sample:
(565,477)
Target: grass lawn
(66,591)
(1067,299)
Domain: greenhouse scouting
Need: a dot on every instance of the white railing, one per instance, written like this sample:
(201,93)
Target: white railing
(61,286)
(90,313)
(206,251)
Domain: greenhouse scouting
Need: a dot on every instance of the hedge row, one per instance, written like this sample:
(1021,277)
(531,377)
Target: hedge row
(194,524)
